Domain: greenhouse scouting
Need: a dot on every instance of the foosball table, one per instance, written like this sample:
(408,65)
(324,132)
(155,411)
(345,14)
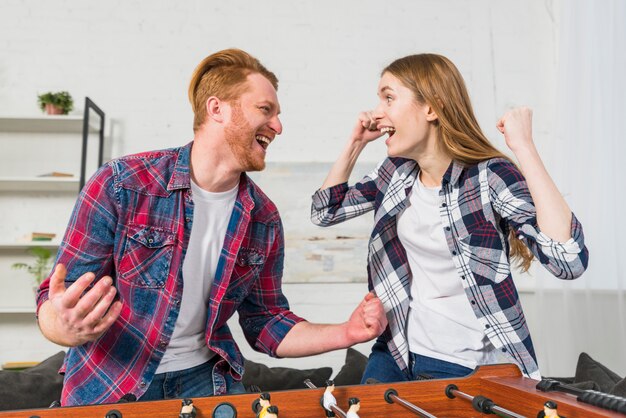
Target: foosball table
(491,390)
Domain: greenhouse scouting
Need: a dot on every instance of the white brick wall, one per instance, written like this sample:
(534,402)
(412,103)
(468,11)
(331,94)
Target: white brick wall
(134,59)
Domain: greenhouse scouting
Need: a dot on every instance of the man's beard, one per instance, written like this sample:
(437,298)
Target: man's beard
(240,138)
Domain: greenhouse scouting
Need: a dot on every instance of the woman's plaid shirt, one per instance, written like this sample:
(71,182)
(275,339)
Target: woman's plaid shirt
(478,206)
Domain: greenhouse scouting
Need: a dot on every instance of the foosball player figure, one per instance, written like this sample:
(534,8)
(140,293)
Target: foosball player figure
(263,405)
(187,409)
(549,411)
(272,412)
(354,404)
(328,399)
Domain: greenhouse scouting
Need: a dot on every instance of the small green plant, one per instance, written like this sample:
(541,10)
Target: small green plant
(40,268)
(61,100)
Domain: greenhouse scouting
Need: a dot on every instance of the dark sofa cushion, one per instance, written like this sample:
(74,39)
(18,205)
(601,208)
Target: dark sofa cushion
(352,371)
(36,387)
(282,378)
(590,370)
(619,389)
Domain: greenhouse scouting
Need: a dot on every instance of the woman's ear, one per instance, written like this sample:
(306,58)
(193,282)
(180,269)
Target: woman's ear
(431,116)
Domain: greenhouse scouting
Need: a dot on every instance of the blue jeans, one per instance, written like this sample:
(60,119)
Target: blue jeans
(382,367)
(190,383)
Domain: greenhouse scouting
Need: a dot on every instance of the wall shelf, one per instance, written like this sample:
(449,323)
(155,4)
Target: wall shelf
(36,202)
(45,124)
(6,246)
(39,184)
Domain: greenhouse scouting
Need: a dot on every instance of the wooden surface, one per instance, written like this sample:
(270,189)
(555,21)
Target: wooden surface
(502,383)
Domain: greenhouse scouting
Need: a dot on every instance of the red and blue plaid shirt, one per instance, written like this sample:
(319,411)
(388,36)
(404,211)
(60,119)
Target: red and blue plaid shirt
(132,221)
(479,205)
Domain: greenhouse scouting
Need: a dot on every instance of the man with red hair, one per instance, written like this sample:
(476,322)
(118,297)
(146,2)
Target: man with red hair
(164,246)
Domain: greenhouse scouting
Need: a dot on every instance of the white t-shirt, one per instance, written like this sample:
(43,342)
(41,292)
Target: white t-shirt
(441,322)
(211,214)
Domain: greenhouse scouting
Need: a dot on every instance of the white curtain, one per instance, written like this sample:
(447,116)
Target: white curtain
(588,162)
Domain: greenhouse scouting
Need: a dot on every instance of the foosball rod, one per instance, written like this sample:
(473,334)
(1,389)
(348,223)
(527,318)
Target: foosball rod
(334,408)
(591,397)
(481,403)
(391,396)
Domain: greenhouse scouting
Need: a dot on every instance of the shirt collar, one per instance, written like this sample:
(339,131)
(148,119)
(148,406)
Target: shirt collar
(181,177)
(453,173)
(409,173)
(245,192)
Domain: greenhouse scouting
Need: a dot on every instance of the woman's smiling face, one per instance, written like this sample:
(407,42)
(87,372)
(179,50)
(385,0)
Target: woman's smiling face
(406,121)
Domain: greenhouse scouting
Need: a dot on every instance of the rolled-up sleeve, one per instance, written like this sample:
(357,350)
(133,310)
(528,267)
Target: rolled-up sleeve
(511,199)
(264,315)
(339,203)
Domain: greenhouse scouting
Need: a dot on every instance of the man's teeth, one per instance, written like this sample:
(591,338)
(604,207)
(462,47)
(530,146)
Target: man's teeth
(263,139)
(387,130)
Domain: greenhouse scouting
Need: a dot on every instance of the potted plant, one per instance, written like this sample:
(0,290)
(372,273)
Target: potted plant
(40,267)
(59,103)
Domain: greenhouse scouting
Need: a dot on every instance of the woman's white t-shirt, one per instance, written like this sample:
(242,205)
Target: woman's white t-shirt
(441,323)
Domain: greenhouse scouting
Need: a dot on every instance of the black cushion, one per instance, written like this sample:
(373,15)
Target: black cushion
(352,371)
(590,370)
(619,389)
(36,387)
(282,378)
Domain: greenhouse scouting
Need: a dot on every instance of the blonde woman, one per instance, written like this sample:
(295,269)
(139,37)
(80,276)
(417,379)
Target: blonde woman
(451,213)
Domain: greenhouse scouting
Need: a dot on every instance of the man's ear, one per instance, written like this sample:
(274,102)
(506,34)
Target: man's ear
(215,109)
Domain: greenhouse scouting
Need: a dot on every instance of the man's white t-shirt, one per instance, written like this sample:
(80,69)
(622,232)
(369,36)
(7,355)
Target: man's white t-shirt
(441,322)
(211,214)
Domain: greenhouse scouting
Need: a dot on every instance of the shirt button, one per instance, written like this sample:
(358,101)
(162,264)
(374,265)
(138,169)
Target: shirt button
(447,228)
(187,219)
(443,205)
(142,384)
(453,252)
(150,240)
(487,326)
(473,302)
(462,277)
(504,350)
(162,344)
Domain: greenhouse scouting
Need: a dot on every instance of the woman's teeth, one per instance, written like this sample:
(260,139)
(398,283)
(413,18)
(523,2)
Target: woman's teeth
(387,130)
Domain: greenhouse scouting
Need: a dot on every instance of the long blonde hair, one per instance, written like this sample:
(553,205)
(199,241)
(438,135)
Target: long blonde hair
(435,80)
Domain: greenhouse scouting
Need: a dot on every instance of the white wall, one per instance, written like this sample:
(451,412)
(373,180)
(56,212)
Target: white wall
(134,59)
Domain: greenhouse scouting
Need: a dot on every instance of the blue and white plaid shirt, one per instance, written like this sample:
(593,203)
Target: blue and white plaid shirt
(478,206)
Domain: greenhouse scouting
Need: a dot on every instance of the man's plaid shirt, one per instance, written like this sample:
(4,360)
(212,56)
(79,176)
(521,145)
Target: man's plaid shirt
(132,221)
(479,204)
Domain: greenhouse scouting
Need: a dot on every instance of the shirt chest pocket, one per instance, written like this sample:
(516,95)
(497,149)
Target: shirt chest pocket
(147,256)
(246,271)
(486,251)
